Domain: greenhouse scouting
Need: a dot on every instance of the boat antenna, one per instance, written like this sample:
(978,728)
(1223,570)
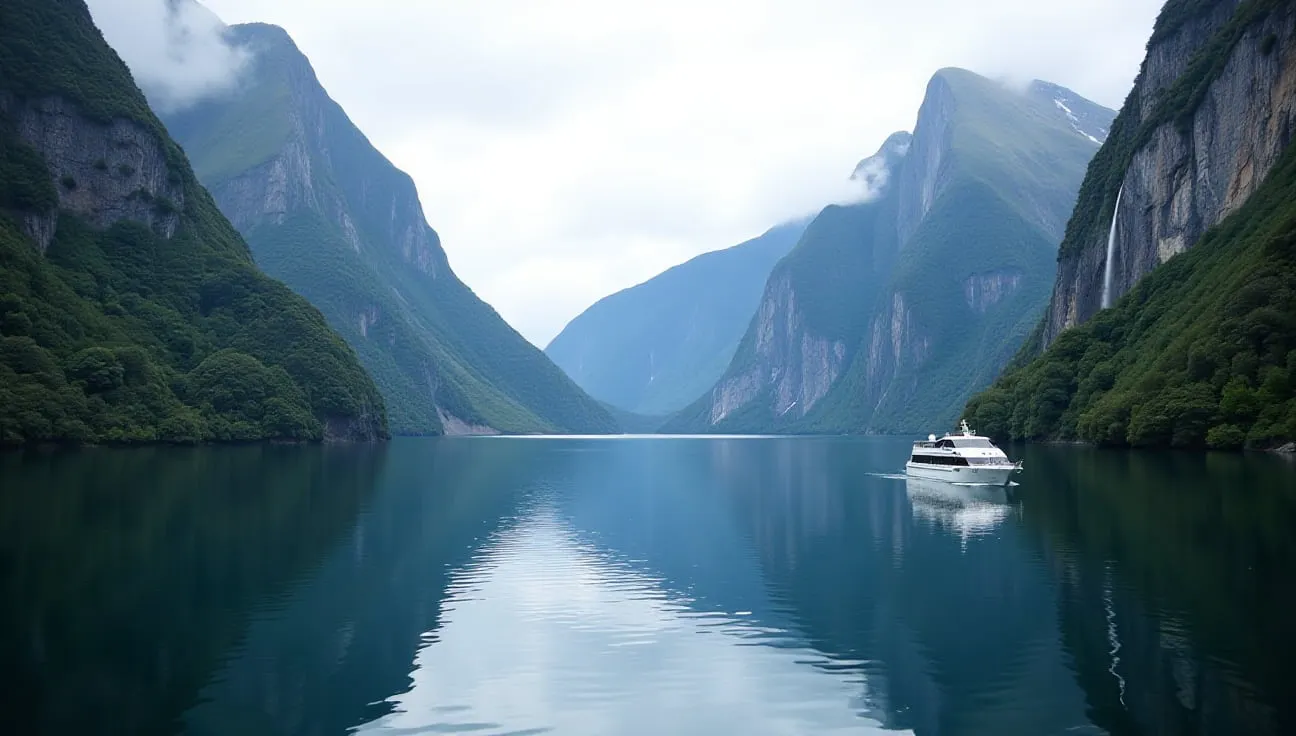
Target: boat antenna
(964,426)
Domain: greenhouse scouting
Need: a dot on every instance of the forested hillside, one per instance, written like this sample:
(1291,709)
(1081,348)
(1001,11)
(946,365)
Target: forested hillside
(130,310)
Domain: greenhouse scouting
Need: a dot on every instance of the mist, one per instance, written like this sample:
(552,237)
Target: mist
(175,48)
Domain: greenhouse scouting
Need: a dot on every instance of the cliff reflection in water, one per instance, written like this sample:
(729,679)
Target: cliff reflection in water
(127,575)
(580,585)
(1176,585)
(923,584)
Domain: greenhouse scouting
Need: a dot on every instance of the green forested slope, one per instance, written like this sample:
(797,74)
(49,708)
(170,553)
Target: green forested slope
(351,237)
(123,335)
(1202,352)
(1196,354)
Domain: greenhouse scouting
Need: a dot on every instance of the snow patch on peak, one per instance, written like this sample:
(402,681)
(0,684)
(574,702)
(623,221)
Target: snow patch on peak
(1075,121)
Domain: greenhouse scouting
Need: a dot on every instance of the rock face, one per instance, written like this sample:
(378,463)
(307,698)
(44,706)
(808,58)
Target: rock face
(130,309)
(330,215)
(105,173)
(294,175)
(654,348)
(1182,170)
(889,313)
(983,290)
(798,367)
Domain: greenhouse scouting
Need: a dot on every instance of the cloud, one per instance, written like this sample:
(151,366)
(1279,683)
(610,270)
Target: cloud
(570,148)
(175,48)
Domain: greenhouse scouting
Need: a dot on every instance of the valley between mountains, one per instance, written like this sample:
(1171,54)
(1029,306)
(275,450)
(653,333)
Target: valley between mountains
(250,267)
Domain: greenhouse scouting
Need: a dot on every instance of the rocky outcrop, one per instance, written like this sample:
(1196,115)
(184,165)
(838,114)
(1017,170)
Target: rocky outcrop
(453,426)
(733,393)
(896,347)
(103,172)
(796,367)
(1189,172)
(290,181)
(921,176)
(364,427)
(368,318)
(983,290)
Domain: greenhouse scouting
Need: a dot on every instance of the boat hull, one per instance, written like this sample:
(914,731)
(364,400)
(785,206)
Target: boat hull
(978,475)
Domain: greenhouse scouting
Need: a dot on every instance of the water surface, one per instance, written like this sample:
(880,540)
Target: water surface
(642,586)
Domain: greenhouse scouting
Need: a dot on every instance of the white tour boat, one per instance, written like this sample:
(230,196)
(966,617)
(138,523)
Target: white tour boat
(961,458)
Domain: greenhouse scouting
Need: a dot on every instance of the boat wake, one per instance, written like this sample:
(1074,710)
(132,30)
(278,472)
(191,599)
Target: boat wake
(905,476)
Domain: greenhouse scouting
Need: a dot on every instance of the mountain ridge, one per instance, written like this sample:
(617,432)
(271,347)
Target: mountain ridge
(856,317)
(130,310)
(323,209)
(654,347)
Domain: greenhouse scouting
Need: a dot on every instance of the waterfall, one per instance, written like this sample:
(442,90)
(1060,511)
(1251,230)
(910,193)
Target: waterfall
(1111,251)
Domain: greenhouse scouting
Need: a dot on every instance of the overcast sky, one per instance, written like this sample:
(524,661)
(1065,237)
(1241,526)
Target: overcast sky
(566,149)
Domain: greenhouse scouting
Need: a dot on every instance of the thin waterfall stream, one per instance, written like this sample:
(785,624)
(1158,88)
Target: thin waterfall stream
(1111,250)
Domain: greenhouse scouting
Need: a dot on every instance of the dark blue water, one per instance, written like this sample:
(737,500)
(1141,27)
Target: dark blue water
(642,586)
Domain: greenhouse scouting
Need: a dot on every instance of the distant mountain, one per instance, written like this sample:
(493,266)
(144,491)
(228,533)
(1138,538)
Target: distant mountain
(654,348)
(130,310)
(888,314)
(323,210)
(1173,315)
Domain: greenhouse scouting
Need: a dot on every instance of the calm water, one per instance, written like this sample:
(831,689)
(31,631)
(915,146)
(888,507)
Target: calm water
(642,586)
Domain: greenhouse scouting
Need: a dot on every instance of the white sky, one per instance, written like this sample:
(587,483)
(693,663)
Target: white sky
(565,149)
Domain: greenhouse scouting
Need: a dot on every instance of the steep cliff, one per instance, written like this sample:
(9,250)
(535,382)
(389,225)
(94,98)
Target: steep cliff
(890,312)
(654,348)
(1210,113)
(1198,346)
(130,310)
(326,212)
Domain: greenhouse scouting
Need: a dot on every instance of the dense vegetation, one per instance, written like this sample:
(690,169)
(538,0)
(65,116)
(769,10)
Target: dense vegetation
(655,347)
(357,246)
(1201,353)
(1010,168)
(1192,356)
(122,335)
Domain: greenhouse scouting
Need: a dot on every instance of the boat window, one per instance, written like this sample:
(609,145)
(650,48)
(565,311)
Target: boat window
(939,460)
(974,443)
(944,443)
(986,461)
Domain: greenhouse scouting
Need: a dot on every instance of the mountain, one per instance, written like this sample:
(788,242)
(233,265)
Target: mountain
(323,210)
(1199,347)
(654,348)
(130,309)
(890,312)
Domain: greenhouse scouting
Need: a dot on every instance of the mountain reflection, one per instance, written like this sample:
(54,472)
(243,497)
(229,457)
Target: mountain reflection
(127,574)
(641,586)
(1175,574)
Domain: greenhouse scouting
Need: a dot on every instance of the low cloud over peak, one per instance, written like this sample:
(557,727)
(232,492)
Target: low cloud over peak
(175,48)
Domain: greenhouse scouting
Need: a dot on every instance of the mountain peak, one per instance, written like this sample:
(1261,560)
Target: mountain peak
(324,210)
(266,33)
(875,171)
(954,75)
